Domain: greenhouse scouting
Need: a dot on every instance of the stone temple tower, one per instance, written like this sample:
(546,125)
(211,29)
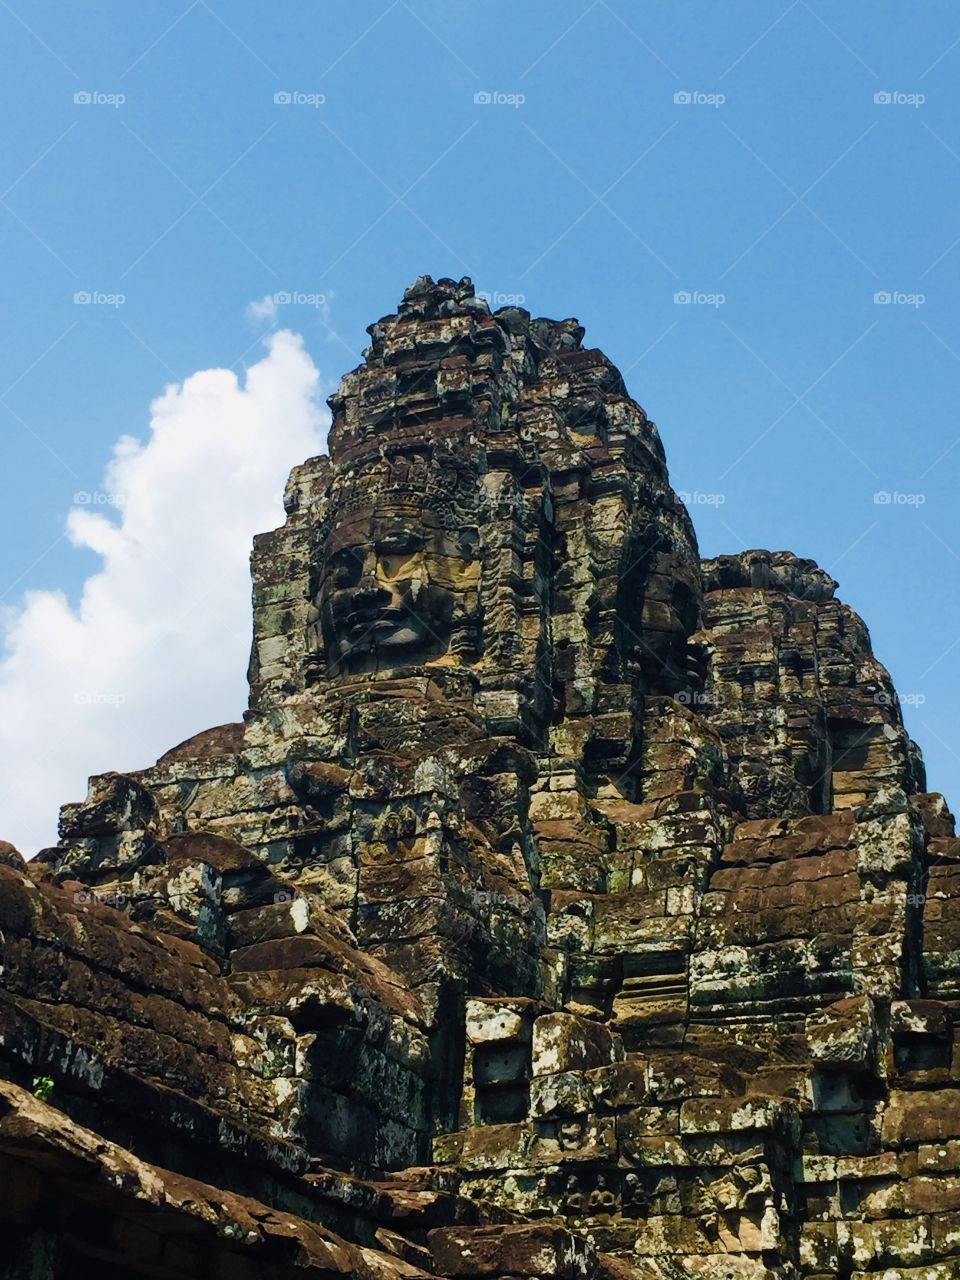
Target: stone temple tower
(563,904)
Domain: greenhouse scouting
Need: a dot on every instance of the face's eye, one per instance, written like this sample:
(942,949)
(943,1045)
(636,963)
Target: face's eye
(468,543)
(400,544)
(346,567)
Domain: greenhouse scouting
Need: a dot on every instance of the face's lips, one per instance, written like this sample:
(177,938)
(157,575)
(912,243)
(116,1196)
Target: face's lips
(362,619)
(371,628)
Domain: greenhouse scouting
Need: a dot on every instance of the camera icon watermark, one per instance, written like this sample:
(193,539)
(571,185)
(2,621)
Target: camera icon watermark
(95,298)
(89,698)
(299,298)
(488,898)
(498,299)
(297,98)
(697,298)
(884,699)
(95,98)
(485,98)
(97,498)
(693,698)
(697,98)
(86,897)
(895,98)
(694,498)
(894,498)
(897,298)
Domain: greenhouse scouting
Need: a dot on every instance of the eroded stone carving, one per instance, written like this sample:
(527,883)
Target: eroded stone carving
(553,872)
(397,564)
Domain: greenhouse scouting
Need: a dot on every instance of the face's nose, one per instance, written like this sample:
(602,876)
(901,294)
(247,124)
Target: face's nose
(365,587)
(369,594)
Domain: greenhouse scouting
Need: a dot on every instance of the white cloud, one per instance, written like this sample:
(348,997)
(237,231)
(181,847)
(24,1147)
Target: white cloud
(265,309)
(157,648)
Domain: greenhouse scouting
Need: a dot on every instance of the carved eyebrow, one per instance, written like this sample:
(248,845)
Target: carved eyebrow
(403,540)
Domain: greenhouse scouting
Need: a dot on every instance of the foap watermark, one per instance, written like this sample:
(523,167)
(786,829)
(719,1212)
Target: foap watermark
(463,925)
(896,98)
(97,498)
(299,298)
(85,897)
(695,498)
(496,98)
(693,698)
(91,698)
(488,898)
(894,498)
(498,299)
(298,98)
(897,298)
(884,699)
(697,298)
(96,298)
(697,98)
(97,98)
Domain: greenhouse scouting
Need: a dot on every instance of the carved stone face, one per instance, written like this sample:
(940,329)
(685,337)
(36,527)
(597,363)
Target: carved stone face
(390,585)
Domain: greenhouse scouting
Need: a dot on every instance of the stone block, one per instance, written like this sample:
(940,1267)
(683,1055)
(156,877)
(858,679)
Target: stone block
(523,1250)
(564,1042)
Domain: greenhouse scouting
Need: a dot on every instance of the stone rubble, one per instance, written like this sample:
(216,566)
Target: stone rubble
(564,905)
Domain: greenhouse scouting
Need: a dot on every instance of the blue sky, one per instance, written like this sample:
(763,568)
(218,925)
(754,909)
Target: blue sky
(782,164)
